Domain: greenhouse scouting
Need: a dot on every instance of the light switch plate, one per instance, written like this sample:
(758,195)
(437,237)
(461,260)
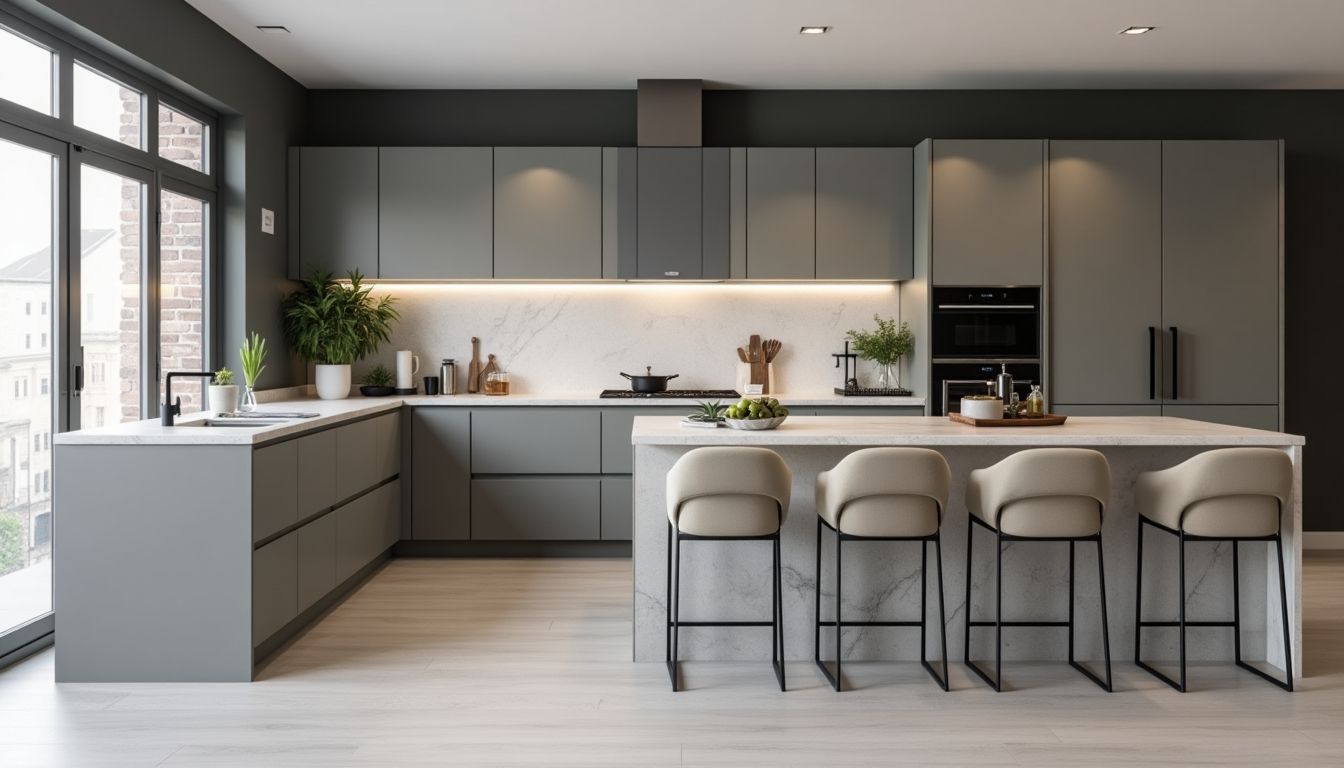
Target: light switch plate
(268,221)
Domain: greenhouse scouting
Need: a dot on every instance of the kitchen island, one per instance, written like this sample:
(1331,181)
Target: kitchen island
(729,580)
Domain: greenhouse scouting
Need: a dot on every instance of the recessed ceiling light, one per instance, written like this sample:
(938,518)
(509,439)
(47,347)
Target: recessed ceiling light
(273,29)
(814,30)
(1136,30)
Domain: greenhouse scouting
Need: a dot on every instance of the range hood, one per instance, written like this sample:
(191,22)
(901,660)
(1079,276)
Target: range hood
(668,113)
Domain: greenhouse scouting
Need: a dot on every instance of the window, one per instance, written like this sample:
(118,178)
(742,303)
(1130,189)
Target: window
(27,307)
(37,442)
(46,382)
(108,108)
(182,266)
(26,72)
(27,341)
(42,530)
(44,346)
(44,309)
(46,441)
(98,415)
(183,139)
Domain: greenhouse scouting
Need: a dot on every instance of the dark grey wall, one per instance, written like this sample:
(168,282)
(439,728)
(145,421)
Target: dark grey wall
(261,112)
(1309,122)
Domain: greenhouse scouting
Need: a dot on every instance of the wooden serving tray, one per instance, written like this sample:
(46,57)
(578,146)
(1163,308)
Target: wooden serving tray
(1048,420)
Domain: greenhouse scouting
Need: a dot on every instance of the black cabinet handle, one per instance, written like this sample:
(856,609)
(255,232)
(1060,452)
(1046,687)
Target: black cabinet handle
(1175,365)
(1152,363)
(79,379)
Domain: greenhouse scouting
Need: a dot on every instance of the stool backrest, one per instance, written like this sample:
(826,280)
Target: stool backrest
(1227,472)
(728,470)
(1049,472)
(890,472)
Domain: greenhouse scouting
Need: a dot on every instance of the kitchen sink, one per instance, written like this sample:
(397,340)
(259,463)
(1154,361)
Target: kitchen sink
(250,423)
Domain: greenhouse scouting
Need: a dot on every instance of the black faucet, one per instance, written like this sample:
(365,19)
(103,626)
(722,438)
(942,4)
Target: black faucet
(170,408)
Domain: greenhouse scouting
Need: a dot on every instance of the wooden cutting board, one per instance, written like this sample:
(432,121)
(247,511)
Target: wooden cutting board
(474,370)
(1048,420)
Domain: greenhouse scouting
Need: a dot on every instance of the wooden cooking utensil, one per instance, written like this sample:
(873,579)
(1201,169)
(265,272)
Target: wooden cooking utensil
(772,347)
(742,354)
(489,368)
(474,370)
(760,372)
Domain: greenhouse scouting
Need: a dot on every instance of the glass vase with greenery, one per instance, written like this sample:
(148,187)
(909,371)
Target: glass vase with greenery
(333,323)
(885,347)
(253,355)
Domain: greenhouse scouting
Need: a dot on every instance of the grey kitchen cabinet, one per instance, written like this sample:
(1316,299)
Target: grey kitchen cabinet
(275,489)
(1220,271)
(618,505)
(274,586)
(617,456)
(870,410)
(334,197)
(366,528)
(1106,261)
(536,508)
(316,556)
(864,213)
(513,441)
(317,472)
(620,211)
(548,212)
(387,433)
(716,213)
(1252,416)
(1105,410)
(357,461)
(988,212)
(669,213)
(781,213)
(440,473)
(435,211)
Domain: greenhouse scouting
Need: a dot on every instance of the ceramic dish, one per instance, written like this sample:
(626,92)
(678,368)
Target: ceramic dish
(755,424)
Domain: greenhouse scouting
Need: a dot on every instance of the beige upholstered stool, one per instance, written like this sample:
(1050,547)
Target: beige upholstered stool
(1230,494)
(726,493)
(1041,494)
(883,494)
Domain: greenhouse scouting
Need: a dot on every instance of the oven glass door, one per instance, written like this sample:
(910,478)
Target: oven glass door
(988,333)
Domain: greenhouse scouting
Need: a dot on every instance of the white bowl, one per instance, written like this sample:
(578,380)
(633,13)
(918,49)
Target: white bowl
(755,424)
(981,409)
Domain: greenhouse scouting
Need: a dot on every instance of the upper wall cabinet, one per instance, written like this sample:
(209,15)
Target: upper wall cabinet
(781,213)
(434,214)
(548,213)
(683,209)
(864,214)
(988,212)
(337,210)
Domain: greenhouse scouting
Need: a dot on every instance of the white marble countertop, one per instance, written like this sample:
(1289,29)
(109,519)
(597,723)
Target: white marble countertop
(590,399)
(931,430)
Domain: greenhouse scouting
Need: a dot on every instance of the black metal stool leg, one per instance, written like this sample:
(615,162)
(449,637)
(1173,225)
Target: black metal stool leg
(777,632)
(1236,602)
(1181,536)
(839,621)
(1138,597)
(942,610)
(998,613)
(1283,605)
(676,612)
(1105,626)
(667,606)
(941,680)
(970,541)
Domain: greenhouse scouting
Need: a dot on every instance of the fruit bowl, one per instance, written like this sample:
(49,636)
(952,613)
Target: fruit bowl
(755,424)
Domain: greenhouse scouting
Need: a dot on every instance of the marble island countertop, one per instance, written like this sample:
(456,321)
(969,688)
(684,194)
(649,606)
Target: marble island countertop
(934,430)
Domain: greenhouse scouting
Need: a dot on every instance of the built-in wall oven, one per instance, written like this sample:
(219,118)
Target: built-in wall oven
(975,331)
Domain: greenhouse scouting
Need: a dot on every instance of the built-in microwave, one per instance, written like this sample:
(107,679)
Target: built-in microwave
(988,323)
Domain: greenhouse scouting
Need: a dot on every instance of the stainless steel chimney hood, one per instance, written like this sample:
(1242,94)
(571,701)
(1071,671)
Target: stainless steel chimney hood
(669,113)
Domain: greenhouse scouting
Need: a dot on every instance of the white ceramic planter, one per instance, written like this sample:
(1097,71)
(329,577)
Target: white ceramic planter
(333,382)
(224,398)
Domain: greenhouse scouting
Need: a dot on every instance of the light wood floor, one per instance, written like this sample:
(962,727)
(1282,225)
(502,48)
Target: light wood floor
(526,662)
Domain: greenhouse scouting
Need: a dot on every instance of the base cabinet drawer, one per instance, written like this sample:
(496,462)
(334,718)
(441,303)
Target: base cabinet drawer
(617,508)
(275,489)
(542,441)
(617,452)
(387,430)
(869,410)
(366,527)
(357,462)
(317,560)
(536,508)
(274,586)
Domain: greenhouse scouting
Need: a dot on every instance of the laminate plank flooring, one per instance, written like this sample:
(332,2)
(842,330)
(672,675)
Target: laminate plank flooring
(527,662)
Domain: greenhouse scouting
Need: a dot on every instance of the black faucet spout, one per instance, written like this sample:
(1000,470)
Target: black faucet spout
(171,406)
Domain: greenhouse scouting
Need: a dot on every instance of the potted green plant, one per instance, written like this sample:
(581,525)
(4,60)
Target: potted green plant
(223,395)
(253,355)
(377,382)
(885,347)
(333,323)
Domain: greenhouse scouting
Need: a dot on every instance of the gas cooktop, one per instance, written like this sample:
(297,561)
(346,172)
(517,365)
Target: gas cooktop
(689,394)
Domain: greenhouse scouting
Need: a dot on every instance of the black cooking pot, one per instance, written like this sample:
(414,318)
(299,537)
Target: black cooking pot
(648,382)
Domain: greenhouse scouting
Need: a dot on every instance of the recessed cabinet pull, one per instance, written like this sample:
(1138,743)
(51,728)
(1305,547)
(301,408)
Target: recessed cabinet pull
(1175,366)
(1152,363)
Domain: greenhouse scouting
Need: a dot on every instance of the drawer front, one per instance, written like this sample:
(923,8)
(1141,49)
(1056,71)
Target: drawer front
(275,489)
(536,508)
(388,431)
(317,472)
(617,453)
(617,509)
(357,462)
(869,410)
(542,441)
(365,528)
(440,476)
(274,586)
(317,560)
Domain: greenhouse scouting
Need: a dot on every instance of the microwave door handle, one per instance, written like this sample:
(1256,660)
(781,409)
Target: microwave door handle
(1152,363)
(986,306)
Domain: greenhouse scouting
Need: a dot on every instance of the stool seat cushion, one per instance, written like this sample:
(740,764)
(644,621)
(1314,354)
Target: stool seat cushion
(1042,493)
(728,491)
(885,493)
(1223,493)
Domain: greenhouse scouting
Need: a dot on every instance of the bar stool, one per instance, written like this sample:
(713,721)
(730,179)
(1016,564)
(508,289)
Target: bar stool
(726,493)
(1229,494)
(1040,494)
(883,494)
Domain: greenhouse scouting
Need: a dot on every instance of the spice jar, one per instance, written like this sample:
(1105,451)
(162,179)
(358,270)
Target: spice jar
(1035,402)
(497,383)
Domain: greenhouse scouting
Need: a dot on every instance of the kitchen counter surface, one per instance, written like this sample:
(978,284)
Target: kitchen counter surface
(589,399)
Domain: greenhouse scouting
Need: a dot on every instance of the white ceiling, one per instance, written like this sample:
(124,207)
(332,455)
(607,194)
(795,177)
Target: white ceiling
(755,43)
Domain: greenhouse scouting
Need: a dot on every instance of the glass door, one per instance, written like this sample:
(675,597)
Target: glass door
(31,250)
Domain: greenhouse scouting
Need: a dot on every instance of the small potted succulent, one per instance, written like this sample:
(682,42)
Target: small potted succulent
(223,392)
(333,323)
(377,382)
(708,415)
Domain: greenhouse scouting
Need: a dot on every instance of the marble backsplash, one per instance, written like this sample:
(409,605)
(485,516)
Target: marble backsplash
(579,337)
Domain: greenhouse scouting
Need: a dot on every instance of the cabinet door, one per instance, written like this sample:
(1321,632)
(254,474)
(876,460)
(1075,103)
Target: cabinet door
(617,509)
(536,509)
(1105,410)
(1252,416)
(1105,271)
(317,472)
(988,212)
(716,213)
(1220,270)
(316,560)
(543,441)
(617,452)
(865,214)
(387,430)
(275,489)
(781,213)
(440,473)
(274,586)
(435,206)
(669,205)
(548,212)
(357,461)
(337,190)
